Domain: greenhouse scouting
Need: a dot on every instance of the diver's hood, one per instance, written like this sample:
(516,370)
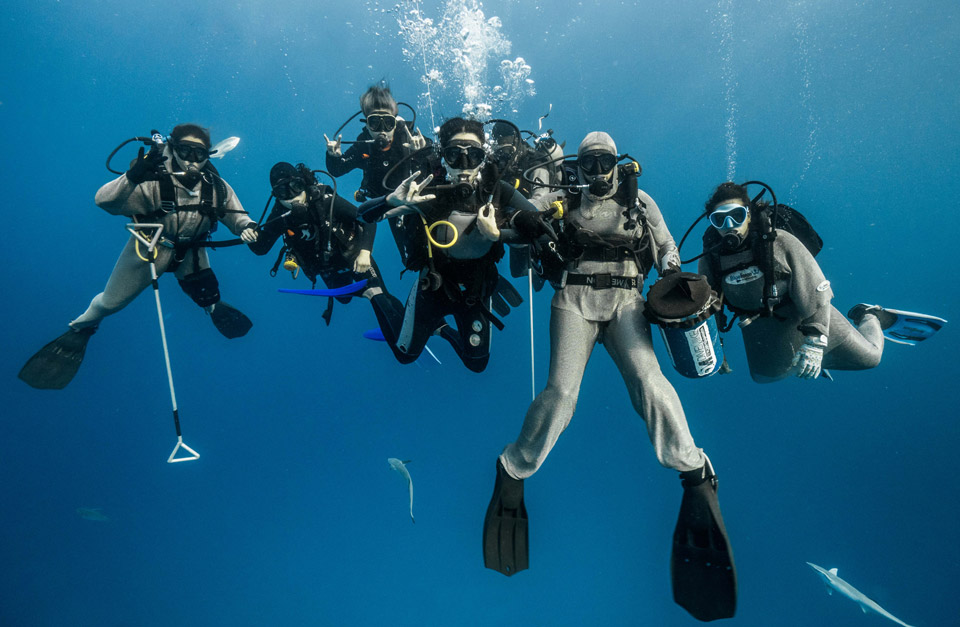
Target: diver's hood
(282,171)
(597,141)
(602,186)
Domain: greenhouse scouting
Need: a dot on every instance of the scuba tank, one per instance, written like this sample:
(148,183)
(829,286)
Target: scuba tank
(684,307)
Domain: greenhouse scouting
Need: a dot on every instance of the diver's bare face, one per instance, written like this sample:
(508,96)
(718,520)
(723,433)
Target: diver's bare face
(299,199)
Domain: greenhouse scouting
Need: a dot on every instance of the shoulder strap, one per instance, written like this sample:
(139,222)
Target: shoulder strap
(168,195)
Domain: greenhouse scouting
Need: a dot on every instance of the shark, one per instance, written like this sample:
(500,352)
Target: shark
(834,582)
(401,467)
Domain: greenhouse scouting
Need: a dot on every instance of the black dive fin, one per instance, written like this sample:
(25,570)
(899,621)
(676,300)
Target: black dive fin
(230,322)
(499,306)
(505,546)
(55,365)
(508,292)
(701,566)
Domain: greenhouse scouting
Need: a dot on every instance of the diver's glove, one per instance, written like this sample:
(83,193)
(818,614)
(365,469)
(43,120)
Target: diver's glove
(417,141)
(249,235)
(146,168)
(809,358)
(487,222)
(362,263)
(531,225)
(408,192)
(670,263)
(333,145)
(413,141)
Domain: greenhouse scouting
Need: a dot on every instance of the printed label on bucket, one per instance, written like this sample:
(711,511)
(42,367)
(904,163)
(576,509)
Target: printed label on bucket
(701,349)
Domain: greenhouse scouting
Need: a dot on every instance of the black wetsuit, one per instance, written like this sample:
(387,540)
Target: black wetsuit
(331,255)
(467,274)
(375,163)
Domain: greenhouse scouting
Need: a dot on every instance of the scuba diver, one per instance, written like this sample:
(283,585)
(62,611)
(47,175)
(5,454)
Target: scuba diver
(385,141)
(176,185)
(322,237)
(760,257)
(612,236)
(462,224)
(514,157)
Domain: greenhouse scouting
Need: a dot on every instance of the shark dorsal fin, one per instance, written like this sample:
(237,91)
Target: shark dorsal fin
(832,571)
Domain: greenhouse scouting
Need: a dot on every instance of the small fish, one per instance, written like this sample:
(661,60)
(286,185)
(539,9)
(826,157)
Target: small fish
(401,467)
(223,147)
(866,604)
(92,513)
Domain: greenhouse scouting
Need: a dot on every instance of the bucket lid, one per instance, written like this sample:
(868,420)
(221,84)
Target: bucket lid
(681,295)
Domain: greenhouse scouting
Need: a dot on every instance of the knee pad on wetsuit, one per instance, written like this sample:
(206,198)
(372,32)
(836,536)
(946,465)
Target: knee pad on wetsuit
(202,287)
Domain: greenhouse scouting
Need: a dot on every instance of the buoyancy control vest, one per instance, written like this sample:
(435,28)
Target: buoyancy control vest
(576,244)
(757,252)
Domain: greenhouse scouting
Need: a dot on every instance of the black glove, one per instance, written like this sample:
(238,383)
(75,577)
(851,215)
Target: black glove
(146,168)
(531,225)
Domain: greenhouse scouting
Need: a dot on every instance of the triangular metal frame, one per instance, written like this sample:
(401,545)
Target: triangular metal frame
(173,459)
(151,243)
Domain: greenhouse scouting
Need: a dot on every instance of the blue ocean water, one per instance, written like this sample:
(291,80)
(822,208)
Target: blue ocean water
(292,515)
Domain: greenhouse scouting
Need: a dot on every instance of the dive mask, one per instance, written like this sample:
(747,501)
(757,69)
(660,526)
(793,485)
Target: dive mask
(191,152)
(380,123)
(288,188)
(463,157)
(597,163)
(728,216)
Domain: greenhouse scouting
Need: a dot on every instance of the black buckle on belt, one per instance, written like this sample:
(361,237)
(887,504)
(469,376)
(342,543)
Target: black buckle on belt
(600,281)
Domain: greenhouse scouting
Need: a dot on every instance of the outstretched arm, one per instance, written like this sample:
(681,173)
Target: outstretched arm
(667,257)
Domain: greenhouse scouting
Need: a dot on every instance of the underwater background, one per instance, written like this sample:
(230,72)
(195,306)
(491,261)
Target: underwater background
(292,516)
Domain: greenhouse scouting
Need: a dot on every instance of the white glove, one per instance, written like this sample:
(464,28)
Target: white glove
(408,192)
(670,262)
(417,141)
(809,357)
(249,235)
(362,263)
(487,222)
(333,145)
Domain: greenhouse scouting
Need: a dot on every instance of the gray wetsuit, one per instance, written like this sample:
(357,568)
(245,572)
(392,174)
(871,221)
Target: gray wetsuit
(581,316)
(187,224)
(772,342)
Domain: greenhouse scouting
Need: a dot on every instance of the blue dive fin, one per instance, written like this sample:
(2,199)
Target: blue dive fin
(346,290)
(907,327)
(374,334)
